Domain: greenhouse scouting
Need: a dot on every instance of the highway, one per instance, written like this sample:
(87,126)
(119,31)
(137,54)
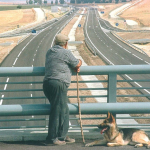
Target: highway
(112,50)
(30,53)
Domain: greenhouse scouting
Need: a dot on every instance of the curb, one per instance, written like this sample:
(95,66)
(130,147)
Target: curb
(40,134)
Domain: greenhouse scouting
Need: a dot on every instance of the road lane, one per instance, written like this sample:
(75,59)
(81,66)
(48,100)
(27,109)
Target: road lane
(30,53)
(112,50)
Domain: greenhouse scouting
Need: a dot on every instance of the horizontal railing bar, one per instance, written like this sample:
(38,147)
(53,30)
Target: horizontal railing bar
(88,118)
(70,89)
(134,125)
(84,70)
(86,108)
(145,80)
(13,98)
(86,128)
(132,88)
(132,117)
(72,128)
(21,90)
(142,95)
(21,127)
(11,120)
(94,118)
(91,118)
(83,125)
(75,89)
(86,96)
(91,81)
(41,82)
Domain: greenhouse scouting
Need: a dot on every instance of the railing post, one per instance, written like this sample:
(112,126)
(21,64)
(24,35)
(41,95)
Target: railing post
(112,89)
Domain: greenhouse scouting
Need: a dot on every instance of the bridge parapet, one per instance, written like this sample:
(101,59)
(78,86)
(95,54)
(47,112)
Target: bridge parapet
(135,76)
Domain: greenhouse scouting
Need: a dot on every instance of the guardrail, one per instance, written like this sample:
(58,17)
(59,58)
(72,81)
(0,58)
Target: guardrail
(23,81)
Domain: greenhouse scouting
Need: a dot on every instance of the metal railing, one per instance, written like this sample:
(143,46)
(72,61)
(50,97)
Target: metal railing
(125,90)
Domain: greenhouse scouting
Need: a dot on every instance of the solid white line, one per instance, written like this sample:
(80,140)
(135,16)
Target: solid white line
(137,84)
(15,61)
(137,57)
(147,62)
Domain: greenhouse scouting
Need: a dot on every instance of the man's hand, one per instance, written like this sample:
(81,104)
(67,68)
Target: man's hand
(77,68)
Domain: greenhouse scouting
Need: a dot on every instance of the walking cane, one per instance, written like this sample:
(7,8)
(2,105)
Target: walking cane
(79,110)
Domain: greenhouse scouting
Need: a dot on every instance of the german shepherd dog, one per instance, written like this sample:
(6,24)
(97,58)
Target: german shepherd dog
(119,137)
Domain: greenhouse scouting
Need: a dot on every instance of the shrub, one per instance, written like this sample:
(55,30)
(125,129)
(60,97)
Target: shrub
(19,6)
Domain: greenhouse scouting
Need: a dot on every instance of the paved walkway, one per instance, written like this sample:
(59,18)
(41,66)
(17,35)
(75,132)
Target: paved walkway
(32,140)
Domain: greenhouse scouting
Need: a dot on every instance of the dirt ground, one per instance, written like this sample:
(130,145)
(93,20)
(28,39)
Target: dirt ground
(12,19)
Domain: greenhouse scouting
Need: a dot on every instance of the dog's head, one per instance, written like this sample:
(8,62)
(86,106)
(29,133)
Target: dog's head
(107,123)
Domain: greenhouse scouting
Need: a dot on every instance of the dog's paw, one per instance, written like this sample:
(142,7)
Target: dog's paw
(138,145)
(88,145)
(148,146)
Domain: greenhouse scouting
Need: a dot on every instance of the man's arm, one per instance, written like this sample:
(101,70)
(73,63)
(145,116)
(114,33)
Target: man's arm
(77,68)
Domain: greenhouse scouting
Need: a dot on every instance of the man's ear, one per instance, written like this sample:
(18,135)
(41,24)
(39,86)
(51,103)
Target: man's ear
(66,45)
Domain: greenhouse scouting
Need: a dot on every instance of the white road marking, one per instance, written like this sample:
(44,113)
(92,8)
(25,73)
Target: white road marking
(147,62)
(137,57)
(15,61)
(95,46)
(137,84)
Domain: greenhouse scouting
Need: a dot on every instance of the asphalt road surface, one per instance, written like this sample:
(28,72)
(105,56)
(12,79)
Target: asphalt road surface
(36,145)
(112,50)
(29,53)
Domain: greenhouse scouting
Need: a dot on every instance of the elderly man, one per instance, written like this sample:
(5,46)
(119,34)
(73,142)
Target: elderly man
(58,70)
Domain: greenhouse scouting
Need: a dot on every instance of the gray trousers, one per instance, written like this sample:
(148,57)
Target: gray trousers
(56,92)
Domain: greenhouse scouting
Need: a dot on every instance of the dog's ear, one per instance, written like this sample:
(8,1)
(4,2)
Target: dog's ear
(112,119)
(108,115)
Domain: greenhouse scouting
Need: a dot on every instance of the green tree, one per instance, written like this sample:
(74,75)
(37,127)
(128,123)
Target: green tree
(35,1)
(116,1)
(45,1)
(30,2)
(61,1)
(110,1)
(19,6)
(27,2)
(52,2)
